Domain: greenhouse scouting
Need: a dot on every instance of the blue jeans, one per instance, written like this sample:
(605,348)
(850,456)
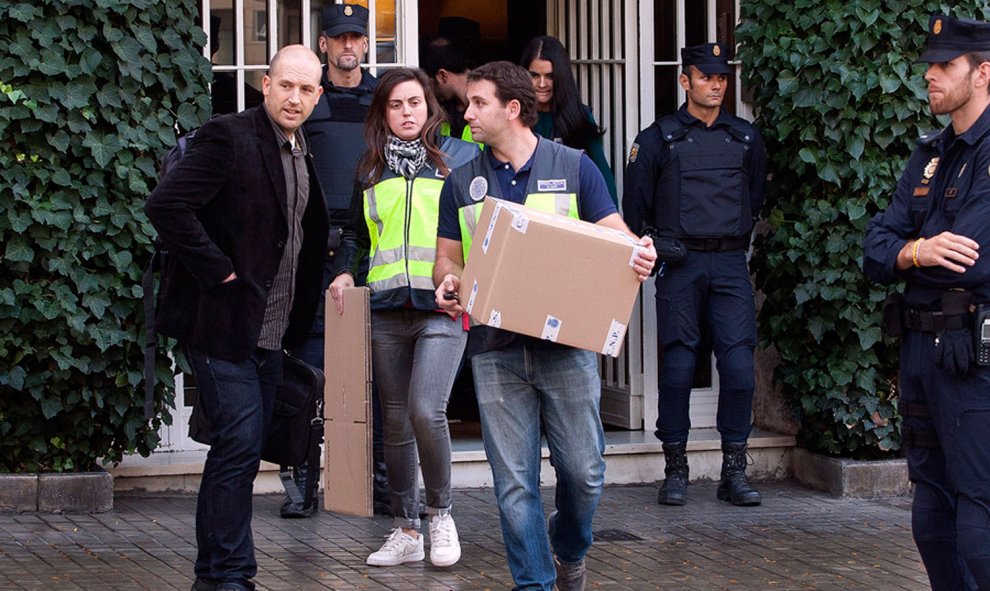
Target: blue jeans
(710,287)
(521,387)
(238,399)
(416,355)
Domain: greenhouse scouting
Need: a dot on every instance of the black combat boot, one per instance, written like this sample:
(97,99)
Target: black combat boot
(674,488)
(734,487)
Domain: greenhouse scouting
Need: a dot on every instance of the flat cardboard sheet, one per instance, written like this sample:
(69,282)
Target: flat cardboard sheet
(347,405)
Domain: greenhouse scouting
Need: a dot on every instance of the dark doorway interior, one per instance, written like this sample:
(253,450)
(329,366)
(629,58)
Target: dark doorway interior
(495,29)
(490,30)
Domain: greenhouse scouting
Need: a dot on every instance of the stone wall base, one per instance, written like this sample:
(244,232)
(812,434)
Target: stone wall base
(851,478)
(69,492)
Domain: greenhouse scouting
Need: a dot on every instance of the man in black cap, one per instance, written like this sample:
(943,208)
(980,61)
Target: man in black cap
(695,182)
(930,237)
(336,134)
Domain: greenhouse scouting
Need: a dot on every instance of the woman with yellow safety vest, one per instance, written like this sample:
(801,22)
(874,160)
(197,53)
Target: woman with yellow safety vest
(416,350)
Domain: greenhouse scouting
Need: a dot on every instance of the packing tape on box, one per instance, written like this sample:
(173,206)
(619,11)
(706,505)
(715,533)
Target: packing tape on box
(491,229)
(635,252)
(613,339)
(474,293)
(551,328)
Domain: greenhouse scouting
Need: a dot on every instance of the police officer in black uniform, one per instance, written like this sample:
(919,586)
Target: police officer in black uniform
(336,136)
(930,237)
(695,181)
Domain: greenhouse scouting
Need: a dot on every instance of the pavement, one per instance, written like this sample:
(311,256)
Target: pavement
(797,540)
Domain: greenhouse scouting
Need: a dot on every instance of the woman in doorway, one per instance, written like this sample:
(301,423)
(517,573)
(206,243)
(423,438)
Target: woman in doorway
(416,350)
(562,117)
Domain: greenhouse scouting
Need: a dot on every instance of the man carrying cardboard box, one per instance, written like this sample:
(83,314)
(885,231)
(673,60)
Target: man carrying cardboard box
(523,383)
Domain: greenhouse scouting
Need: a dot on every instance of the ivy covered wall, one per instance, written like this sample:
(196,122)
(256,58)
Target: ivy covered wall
(840,103)
(91,92)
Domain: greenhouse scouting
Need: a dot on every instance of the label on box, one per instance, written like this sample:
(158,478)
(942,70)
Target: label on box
(551,329)
(491,229)
(520,222)
(613,339)
(474,292)
(632,258)
(495,319)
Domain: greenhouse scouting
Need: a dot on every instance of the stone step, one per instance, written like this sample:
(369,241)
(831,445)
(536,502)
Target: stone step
(631,457)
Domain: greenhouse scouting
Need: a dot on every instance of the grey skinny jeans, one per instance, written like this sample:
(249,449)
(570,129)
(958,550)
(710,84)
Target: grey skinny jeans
(416,355)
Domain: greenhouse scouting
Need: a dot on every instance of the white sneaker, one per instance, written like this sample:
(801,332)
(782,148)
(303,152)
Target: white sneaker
(399,548)
(445,549)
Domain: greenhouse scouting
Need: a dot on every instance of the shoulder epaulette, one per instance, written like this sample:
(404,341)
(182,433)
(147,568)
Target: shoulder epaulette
(671,129)
(742,130)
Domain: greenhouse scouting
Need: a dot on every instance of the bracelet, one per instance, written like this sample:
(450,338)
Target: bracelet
(914,252)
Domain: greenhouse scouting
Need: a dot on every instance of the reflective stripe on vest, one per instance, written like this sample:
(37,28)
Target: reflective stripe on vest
(402,218)
(564,204)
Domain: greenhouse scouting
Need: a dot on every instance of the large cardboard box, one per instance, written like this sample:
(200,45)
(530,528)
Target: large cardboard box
(347,405)
(550,277)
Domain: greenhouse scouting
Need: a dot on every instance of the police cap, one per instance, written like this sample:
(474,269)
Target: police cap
(710,58)
(948,38)
(337,19)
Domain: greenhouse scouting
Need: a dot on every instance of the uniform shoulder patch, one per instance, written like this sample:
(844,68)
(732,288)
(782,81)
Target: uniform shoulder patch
(633,152)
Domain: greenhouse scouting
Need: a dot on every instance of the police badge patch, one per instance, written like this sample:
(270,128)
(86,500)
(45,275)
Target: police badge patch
(633,152)
(478,188)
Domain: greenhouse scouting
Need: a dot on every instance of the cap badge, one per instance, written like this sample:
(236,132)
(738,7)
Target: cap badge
(348,11)
(937,27)
(716,51)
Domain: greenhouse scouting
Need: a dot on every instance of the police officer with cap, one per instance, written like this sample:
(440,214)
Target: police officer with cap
(695,181)
(930,237)
(336,136)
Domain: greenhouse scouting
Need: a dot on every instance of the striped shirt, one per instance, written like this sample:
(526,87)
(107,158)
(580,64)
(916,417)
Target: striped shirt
(283,288)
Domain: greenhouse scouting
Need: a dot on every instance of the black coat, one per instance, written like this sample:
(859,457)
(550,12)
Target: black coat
(222,209)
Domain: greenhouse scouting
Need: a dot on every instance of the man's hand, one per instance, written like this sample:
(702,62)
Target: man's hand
(450,284)
(952,251)
(646,258)
(337,287)
(230,277)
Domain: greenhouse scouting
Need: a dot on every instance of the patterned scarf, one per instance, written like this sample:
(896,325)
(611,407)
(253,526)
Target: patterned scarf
(405,158)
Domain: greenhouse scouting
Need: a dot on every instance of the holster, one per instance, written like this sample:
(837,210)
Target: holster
(670,250)
(334,238)
(893,315)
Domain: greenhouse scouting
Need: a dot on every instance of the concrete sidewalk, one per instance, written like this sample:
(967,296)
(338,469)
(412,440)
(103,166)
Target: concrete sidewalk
(797,540)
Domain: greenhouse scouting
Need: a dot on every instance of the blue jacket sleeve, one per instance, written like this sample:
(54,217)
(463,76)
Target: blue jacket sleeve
(887,233)
(639,182)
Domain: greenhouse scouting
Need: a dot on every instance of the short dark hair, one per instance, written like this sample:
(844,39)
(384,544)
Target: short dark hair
(441,53)
(975,58)
(512,83)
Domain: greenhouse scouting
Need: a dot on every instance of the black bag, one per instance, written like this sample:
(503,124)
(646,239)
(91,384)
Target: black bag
(295,431)
(298,408)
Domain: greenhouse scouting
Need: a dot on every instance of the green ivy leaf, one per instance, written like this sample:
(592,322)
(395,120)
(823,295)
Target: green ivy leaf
(18,251)
(103,146)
